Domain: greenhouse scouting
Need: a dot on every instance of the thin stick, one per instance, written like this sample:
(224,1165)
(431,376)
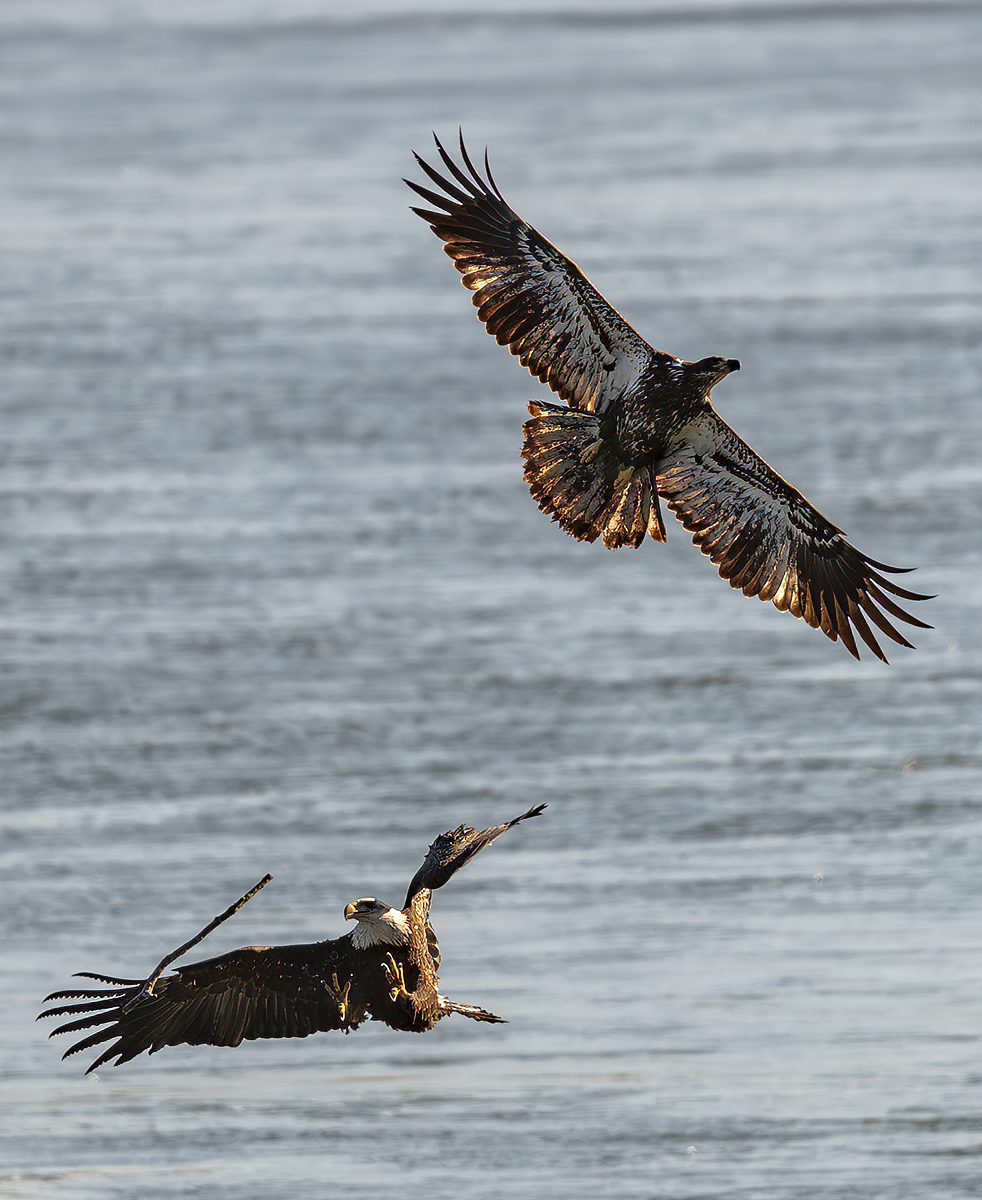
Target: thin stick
(147,989)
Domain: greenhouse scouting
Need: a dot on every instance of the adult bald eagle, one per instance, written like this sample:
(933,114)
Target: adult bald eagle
(640,424)
(385,967)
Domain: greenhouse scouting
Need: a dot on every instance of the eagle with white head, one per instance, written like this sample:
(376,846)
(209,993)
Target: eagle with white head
(386,968)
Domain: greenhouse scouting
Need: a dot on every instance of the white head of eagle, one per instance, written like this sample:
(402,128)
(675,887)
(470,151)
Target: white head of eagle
(378,923)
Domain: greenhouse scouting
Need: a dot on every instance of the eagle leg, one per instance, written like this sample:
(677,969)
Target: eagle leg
(468,1010)
(395,978)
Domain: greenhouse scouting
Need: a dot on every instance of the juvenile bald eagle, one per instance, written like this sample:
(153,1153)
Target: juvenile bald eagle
(640,424)
(386,967)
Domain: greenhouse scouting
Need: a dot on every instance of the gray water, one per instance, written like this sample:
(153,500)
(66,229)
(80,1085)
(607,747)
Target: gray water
(273,597)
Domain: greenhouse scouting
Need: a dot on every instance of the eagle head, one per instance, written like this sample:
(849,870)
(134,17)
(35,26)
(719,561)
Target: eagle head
(377,923)
(709,371)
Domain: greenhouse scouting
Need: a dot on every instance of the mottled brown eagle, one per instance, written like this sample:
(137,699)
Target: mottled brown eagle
(639,424)
(386,968)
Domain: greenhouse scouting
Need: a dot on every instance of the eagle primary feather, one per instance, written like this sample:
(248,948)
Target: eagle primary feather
(640,424)
(386,968)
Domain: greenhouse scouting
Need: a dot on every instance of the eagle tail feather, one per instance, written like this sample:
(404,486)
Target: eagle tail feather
(574,475)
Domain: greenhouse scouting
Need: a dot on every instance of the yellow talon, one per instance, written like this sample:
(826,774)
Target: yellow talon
(340,997)
(394,975)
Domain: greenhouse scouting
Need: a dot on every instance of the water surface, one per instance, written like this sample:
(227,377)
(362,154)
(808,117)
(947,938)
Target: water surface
(273,596)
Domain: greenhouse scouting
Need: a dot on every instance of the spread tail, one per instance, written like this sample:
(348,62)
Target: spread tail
(574,474)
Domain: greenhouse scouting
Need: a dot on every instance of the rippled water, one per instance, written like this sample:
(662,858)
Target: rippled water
(273,597)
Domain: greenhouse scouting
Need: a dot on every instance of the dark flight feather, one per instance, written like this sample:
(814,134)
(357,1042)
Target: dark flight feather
(640,424)
(770,542)
(529,295)
(253,992)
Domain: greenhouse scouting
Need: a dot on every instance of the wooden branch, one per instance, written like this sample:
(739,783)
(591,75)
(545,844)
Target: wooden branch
(146,989)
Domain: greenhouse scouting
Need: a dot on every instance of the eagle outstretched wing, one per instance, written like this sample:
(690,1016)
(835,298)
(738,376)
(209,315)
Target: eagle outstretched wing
(530,296)
(254,992)
(768,541)
(452,850)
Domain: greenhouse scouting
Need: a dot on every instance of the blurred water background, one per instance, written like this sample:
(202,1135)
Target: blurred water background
(273,597)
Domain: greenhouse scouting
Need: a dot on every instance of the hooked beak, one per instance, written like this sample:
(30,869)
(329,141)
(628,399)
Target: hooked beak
(722,369)
(351,911)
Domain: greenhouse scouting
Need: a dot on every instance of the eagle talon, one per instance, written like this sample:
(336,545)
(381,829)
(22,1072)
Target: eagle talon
(590,452)
(395,977)
(339,995)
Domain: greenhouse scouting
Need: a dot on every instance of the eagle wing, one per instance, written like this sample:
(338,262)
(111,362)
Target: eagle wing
(530,296)
(254,992)
(452,850)
(770,542)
